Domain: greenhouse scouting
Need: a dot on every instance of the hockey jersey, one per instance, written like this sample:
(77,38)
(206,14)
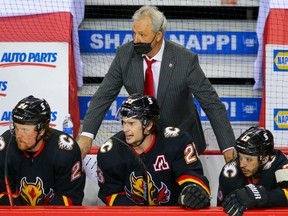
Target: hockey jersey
(51,176)
(232,178)
(156,177)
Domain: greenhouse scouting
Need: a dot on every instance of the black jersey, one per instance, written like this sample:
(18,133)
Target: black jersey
(156,177)
(51,176)
(232,178)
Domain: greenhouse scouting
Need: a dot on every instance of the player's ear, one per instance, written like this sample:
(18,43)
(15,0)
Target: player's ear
(265,159)
(150,125)
(42,131)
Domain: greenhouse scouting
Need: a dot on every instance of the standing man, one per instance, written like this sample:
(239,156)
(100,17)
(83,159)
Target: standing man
(257,178)
(145,166)
(177,78)
(39,165)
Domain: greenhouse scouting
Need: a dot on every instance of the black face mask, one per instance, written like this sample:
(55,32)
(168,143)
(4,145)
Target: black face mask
(143,48)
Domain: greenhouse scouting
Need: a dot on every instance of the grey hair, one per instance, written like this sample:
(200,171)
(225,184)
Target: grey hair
(159,21)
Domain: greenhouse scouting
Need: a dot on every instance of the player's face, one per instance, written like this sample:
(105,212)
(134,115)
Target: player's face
(133,130)
(248,164)
(25,135)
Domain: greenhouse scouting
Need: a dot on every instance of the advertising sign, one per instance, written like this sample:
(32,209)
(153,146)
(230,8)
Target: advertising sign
(276,104)
(34,68)
(200,42)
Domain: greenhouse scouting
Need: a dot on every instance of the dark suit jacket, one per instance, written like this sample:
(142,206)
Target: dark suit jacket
(181,78)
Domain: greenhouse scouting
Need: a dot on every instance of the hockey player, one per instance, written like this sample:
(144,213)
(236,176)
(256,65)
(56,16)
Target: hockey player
(257,178)
(40,165)
(144,166)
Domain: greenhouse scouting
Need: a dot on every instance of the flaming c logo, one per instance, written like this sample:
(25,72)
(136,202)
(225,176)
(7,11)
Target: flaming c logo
(33,193)
(155,195)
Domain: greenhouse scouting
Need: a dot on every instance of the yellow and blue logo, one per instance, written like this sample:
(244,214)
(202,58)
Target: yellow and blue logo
(280,60)
(280,119)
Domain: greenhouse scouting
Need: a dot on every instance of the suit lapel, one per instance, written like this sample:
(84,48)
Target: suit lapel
(167,68)
(138,73)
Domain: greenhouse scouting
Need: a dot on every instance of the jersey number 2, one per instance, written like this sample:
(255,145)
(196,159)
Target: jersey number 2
(189,154)
(76,171)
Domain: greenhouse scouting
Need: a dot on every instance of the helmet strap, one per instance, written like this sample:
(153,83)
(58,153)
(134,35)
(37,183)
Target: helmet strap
(145,122)
(36,140)
(261,165)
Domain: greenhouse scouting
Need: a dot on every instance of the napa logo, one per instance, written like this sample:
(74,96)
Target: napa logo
(42,59)
(280,119)
(6,116)
(280,60)
(3,88)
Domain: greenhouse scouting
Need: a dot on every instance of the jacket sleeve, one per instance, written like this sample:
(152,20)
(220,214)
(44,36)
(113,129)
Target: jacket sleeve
(4,199)
(188,166)
(211,104)
(222,191)
(277,197)
(103,97)
(69,179)
(119,199)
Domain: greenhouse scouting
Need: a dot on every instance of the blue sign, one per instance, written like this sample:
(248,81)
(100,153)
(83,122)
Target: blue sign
(84,104)
(200,42)
(238,109)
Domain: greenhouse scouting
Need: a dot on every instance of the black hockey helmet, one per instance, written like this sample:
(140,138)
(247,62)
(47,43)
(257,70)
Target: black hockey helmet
(140,106)
(255,141)
(32,111)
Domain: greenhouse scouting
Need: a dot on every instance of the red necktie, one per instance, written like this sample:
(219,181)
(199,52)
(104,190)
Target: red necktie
(148,84)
